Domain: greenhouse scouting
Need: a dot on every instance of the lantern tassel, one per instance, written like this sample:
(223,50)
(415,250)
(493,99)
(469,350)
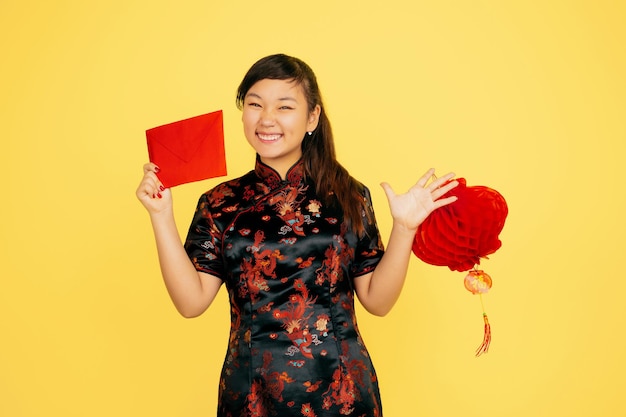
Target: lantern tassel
(484,347)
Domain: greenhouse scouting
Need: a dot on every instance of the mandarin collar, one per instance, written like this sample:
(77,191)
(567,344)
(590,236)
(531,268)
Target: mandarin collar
(272,178)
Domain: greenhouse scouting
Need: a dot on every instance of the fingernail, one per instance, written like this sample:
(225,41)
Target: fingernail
(162,188)
(159,195)
(157,169)
(153,196)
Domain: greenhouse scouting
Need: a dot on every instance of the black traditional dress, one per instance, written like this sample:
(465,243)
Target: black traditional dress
(288,263)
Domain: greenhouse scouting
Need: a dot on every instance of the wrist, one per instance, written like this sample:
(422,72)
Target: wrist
(163,215)
(402,229)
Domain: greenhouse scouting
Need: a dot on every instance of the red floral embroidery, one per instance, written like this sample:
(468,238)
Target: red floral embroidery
(307,411)
(295,317)
(343,390)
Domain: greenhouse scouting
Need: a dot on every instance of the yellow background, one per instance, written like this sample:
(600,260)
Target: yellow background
(527,97)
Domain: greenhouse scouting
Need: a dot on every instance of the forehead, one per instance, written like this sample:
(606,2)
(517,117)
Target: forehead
(276,89)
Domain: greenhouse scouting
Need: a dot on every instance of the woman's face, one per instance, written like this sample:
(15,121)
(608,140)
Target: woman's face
(275,119)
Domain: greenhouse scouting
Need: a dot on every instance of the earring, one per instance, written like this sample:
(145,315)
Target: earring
(310,133)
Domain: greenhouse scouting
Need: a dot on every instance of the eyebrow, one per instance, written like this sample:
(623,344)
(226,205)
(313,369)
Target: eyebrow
(287,98)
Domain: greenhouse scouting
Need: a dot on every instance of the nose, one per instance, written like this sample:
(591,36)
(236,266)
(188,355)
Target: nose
(267,117)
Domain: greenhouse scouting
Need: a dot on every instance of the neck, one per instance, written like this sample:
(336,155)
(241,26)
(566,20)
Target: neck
(281,167)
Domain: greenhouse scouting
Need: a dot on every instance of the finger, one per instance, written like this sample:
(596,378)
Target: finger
(444,189)
(424,178)
(150,186)
(150,167)
(388,190)
(445,201)
(150,172)
(146,188)
(440,181)
(158,190)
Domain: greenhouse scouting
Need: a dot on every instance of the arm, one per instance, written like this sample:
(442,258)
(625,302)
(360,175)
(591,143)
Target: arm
(379,290)
(191,291)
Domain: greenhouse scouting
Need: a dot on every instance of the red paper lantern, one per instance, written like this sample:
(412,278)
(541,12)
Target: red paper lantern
(459,234)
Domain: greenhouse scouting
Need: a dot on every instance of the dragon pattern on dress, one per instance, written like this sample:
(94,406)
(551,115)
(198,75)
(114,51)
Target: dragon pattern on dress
(288,263)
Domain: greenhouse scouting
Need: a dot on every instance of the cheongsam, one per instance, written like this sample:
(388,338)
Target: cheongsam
(288,263)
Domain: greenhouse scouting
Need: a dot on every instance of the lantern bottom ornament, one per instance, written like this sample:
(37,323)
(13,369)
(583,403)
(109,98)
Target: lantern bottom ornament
(479,282)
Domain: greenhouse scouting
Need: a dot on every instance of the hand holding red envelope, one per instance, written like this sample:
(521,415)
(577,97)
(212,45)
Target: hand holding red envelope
(459,234)
(188,150)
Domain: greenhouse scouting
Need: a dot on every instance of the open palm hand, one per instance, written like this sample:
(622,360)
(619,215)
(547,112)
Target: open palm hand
(413,207)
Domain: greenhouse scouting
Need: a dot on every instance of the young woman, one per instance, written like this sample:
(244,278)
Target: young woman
(292,240)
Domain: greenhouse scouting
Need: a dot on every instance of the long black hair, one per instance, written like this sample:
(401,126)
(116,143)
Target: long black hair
(333,183)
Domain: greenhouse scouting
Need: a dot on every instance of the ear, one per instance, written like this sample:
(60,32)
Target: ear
(314,118)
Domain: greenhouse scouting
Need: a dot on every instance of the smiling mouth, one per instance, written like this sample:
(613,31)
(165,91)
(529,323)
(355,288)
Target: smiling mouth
(269,137)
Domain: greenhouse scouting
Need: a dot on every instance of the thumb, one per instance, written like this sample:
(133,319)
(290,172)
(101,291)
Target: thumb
(388,190)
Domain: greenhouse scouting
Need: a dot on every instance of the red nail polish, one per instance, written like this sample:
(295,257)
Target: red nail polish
(157,169)
(159,195)
(162,188)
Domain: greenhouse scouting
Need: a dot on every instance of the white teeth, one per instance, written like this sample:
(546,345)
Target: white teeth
(268,137)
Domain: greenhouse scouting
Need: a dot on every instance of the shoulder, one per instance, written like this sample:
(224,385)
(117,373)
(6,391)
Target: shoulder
(228,196)
(230,189)
(360,190)
(225,200)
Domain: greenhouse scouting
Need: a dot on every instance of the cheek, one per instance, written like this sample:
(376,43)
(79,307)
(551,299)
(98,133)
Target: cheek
(246,118)
(296,123)
(249,123)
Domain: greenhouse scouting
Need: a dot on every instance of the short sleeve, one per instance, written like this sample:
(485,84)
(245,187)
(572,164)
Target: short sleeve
(369,249)
(204,241)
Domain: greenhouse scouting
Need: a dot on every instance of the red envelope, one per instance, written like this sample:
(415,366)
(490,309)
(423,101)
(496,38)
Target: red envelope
(188,150)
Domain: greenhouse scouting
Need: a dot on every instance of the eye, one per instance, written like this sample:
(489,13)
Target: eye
(253,104)
(286,108)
